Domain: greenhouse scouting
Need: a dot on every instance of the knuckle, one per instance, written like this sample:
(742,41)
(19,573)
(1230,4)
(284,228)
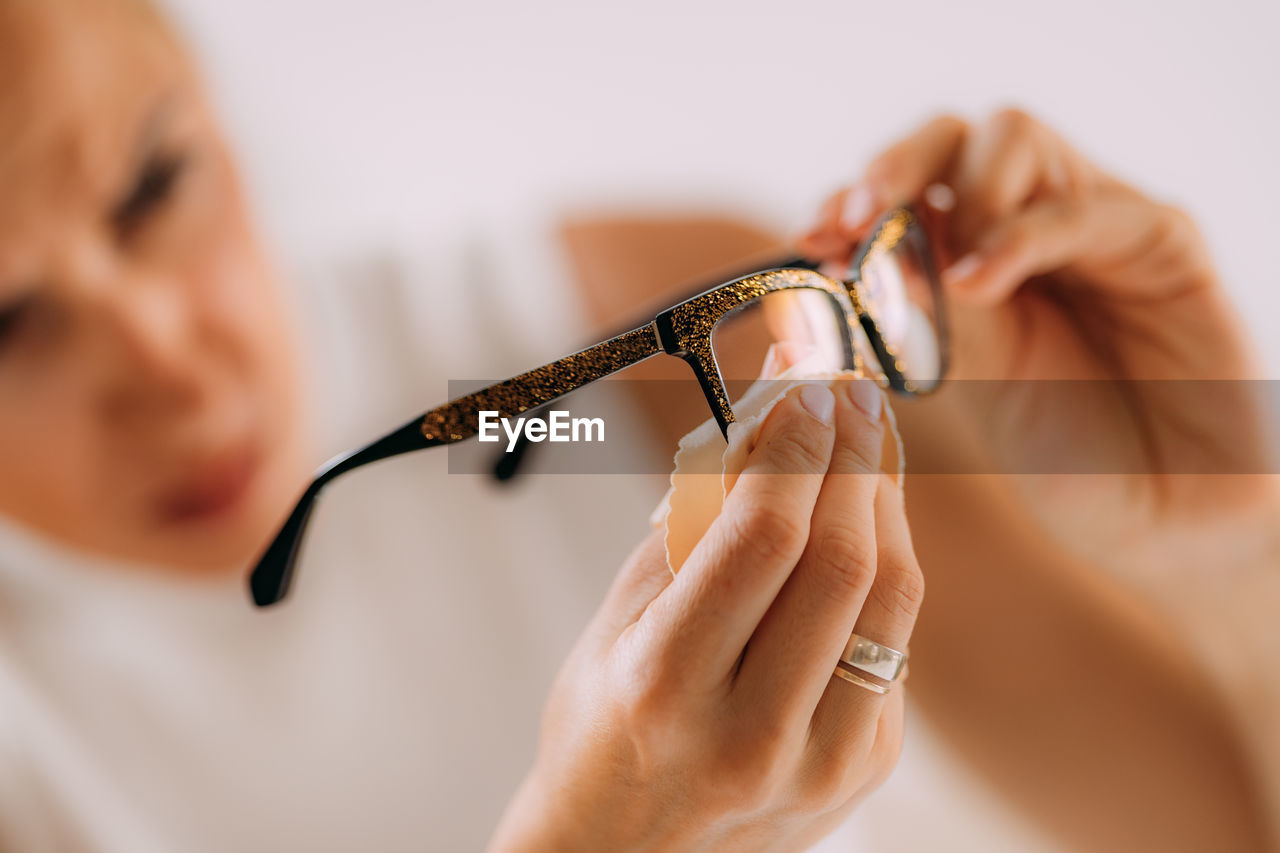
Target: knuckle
(861,452)
(752,780)
(1013,122)
(824,789)
(739,794)
(1177,246)
(949,123)
(647,686)
(772,533)
(1178,223)
(900,591)
(894,167)
(643,696)
(836,774)
(797,449)
(847,559)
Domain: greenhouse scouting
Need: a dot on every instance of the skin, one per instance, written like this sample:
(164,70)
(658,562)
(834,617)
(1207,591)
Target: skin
(145,357)
(151,410)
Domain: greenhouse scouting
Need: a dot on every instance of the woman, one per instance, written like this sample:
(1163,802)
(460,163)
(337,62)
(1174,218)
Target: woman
(152,420)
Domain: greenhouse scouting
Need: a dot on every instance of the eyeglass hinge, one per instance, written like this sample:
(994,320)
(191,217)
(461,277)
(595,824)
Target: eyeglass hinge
(667,336)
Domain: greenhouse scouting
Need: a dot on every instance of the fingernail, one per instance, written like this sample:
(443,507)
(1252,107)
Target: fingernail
(866,396)
(962,269)
(940,197)
(857,207)
(818,401)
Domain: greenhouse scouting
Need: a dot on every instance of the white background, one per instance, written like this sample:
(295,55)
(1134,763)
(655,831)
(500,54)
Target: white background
(400,120)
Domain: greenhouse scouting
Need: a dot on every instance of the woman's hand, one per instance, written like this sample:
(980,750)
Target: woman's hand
(701,712)
(1058,271)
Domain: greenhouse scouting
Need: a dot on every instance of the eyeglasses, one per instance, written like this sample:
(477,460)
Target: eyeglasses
(888,314)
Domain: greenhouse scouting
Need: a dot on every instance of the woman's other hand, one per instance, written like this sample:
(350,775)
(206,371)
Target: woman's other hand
(1057,271)
(701,711)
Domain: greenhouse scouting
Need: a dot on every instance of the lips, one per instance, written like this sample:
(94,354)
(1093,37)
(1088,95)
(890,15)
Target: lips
(213,487)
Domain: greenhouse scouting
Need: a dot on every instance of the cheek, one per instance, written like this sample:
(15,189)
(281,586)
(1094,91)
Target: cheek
(59,475)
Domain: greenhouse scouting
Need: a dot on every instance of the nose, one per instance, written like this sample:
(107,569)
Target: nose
(149,344)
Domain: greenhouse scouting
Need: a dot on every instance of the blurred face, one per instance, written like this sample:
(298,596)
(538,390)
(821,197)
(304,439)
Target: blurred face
(148,403)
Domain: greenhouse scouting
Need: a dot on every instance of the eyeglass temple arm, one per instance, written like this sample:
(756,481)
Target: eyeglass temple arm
(454,421)
(269,581)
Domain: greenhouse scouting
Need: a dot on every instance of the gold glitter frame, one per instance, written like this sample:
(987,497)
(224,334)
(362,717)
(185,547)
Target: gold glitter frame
(684,330)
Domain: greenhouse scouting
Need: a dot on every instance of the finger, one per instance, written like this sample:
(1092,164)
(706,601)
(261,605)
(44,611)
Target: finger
(887,617)
(733,574)
(790,657)
(889,614)
(1011,160)
(1117,241)
(845,769)
(901,173)
(643,576)
(997,172)
(838,780)
(780,357)
(824,241)
(897,175)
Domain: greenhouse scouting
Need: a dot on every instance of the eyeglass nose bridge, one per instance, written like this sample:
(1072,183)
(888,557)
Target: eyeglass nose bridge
(899,225)
(863,327)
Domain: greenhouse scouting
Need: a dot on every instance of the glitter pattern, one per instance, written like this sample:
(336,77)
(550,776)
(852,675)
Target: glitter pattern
(459,419)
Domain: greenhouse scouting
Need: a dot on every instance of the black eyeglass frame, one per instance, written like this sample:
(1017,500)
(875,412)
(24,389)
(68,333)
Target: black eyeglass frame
(683,330)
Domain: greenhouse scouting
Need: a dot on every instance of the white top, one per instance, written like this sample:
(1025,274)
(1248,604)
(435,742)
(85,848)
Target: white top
(392,703)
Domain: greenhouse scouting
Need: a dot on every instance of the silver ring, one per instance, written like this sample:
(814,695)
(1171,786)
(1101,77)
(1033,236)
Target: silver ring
(874,659)
(843,670)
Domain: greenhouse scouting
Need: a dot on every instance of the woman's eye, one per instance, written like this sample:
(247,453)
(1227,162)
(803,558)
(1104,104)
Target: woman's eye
(153,187)
(11,319)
